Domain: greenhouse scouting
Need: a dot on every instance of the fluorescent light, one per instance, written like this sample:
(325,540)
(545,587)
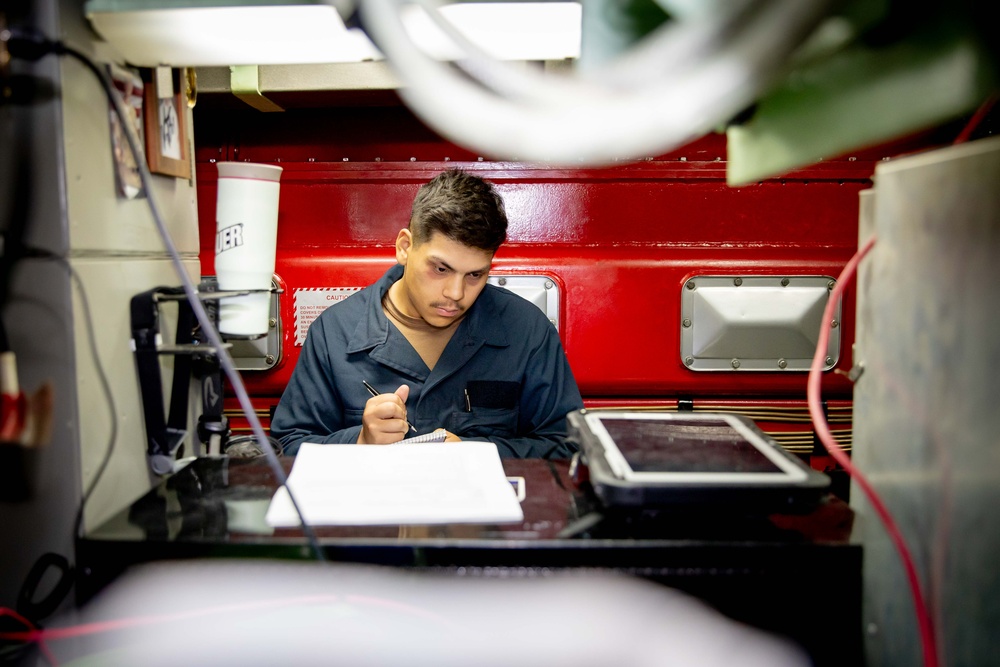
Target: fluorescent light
(292,34)
(206,36)
(503,30)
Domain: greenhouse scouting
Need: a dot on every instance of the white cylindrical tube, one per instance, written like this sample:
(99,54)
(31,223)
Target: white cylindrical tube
(246,217)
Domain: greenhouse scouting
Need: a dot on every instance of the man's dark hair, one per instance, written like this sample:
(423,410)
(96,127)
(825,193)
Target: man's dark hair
(463,207)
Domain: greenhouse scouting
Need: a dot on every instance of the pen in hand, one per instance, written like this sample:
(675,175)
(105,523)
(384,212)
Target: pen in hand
(374,392)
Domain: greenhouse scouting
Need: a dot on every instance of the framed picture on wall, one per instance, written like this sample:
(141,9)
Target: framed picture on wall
(166,139)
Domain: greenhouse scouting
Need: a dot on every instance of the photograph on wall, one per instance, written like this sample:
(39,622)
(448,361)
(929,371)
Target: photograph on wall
(128,83)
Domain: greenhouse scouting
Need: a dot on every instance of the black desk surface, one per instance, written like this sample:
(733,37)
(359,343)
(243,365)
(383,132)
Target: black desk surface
(798,574)
(220,501)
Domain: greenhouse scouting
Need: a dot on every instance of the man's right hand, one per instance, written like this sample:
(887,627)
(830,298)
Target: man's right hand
(384,420)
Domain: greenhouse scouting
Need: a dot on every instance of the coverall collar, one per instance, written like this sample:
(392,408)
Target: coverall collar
(479,326)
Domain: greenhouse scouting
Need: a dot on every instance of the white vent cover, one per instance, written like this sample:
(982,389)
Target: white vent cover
(756,323)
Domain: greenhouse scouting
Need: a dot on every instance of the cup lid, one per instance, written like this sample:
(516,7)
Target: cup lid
(253,170)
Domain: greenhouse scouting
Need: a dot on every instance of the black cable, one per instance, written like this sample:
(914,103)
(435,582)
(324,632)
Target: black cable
(13,235)
(101,374)
(36,611)
(581,525)
(105,388)
(35,46)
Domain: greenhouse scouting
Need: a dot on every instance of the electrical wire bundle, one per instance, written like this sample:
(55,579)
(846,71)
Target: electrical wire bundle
(686,78)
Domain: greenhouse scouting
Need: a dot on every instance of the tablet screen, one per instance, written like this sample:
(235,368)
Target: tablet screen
(681,445)
(690,449)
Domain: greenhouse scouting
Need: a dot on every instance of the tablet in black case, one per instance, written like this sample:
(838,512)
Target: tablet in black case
(654,459)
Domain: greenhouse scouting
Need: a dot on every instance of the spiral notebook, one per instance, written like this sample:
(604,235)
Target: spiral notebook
(438,435)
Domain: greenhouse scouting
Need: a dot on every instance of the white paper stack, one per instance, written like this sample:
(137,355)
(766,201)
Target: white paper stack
(459,482)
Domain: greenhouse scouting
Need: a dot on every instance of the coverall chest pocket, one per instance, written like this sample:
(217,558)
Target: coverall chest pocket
(484,422)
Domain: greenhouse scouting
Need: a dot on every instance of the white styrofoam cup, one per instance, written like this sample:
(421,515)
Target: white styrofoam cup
(246,215)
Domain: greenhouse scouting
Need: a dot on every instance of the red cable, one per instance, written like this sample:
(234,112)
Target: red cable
(97,627)
(976,119)
(4,611)
(136,621)
(924,623)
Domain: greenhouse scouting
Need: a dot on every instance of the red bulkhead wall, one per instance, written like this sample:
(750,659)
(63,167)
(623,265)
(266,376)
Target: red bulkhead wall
(619,242)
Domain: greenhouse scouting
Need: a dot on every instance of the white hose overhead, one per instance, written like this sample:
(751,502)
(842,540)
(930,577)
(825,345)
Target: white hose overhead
(685,79)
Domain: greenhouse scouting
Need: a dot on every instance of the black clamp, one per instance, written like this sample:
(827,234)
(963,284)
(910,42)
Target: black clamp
(193,358)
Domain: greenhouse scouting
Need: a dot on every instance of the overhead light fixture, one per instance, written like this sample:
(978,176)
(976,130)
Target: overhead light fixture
(193,33)
(501,30)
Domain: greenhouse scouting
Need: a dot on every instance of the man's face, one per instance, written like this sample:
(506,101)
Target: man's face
(443,277)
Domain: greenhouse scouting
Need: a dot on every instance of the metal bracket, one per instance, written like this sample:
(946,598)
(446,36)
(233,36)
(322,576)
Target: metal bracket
(260,354)
(244,81)
(166,433)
